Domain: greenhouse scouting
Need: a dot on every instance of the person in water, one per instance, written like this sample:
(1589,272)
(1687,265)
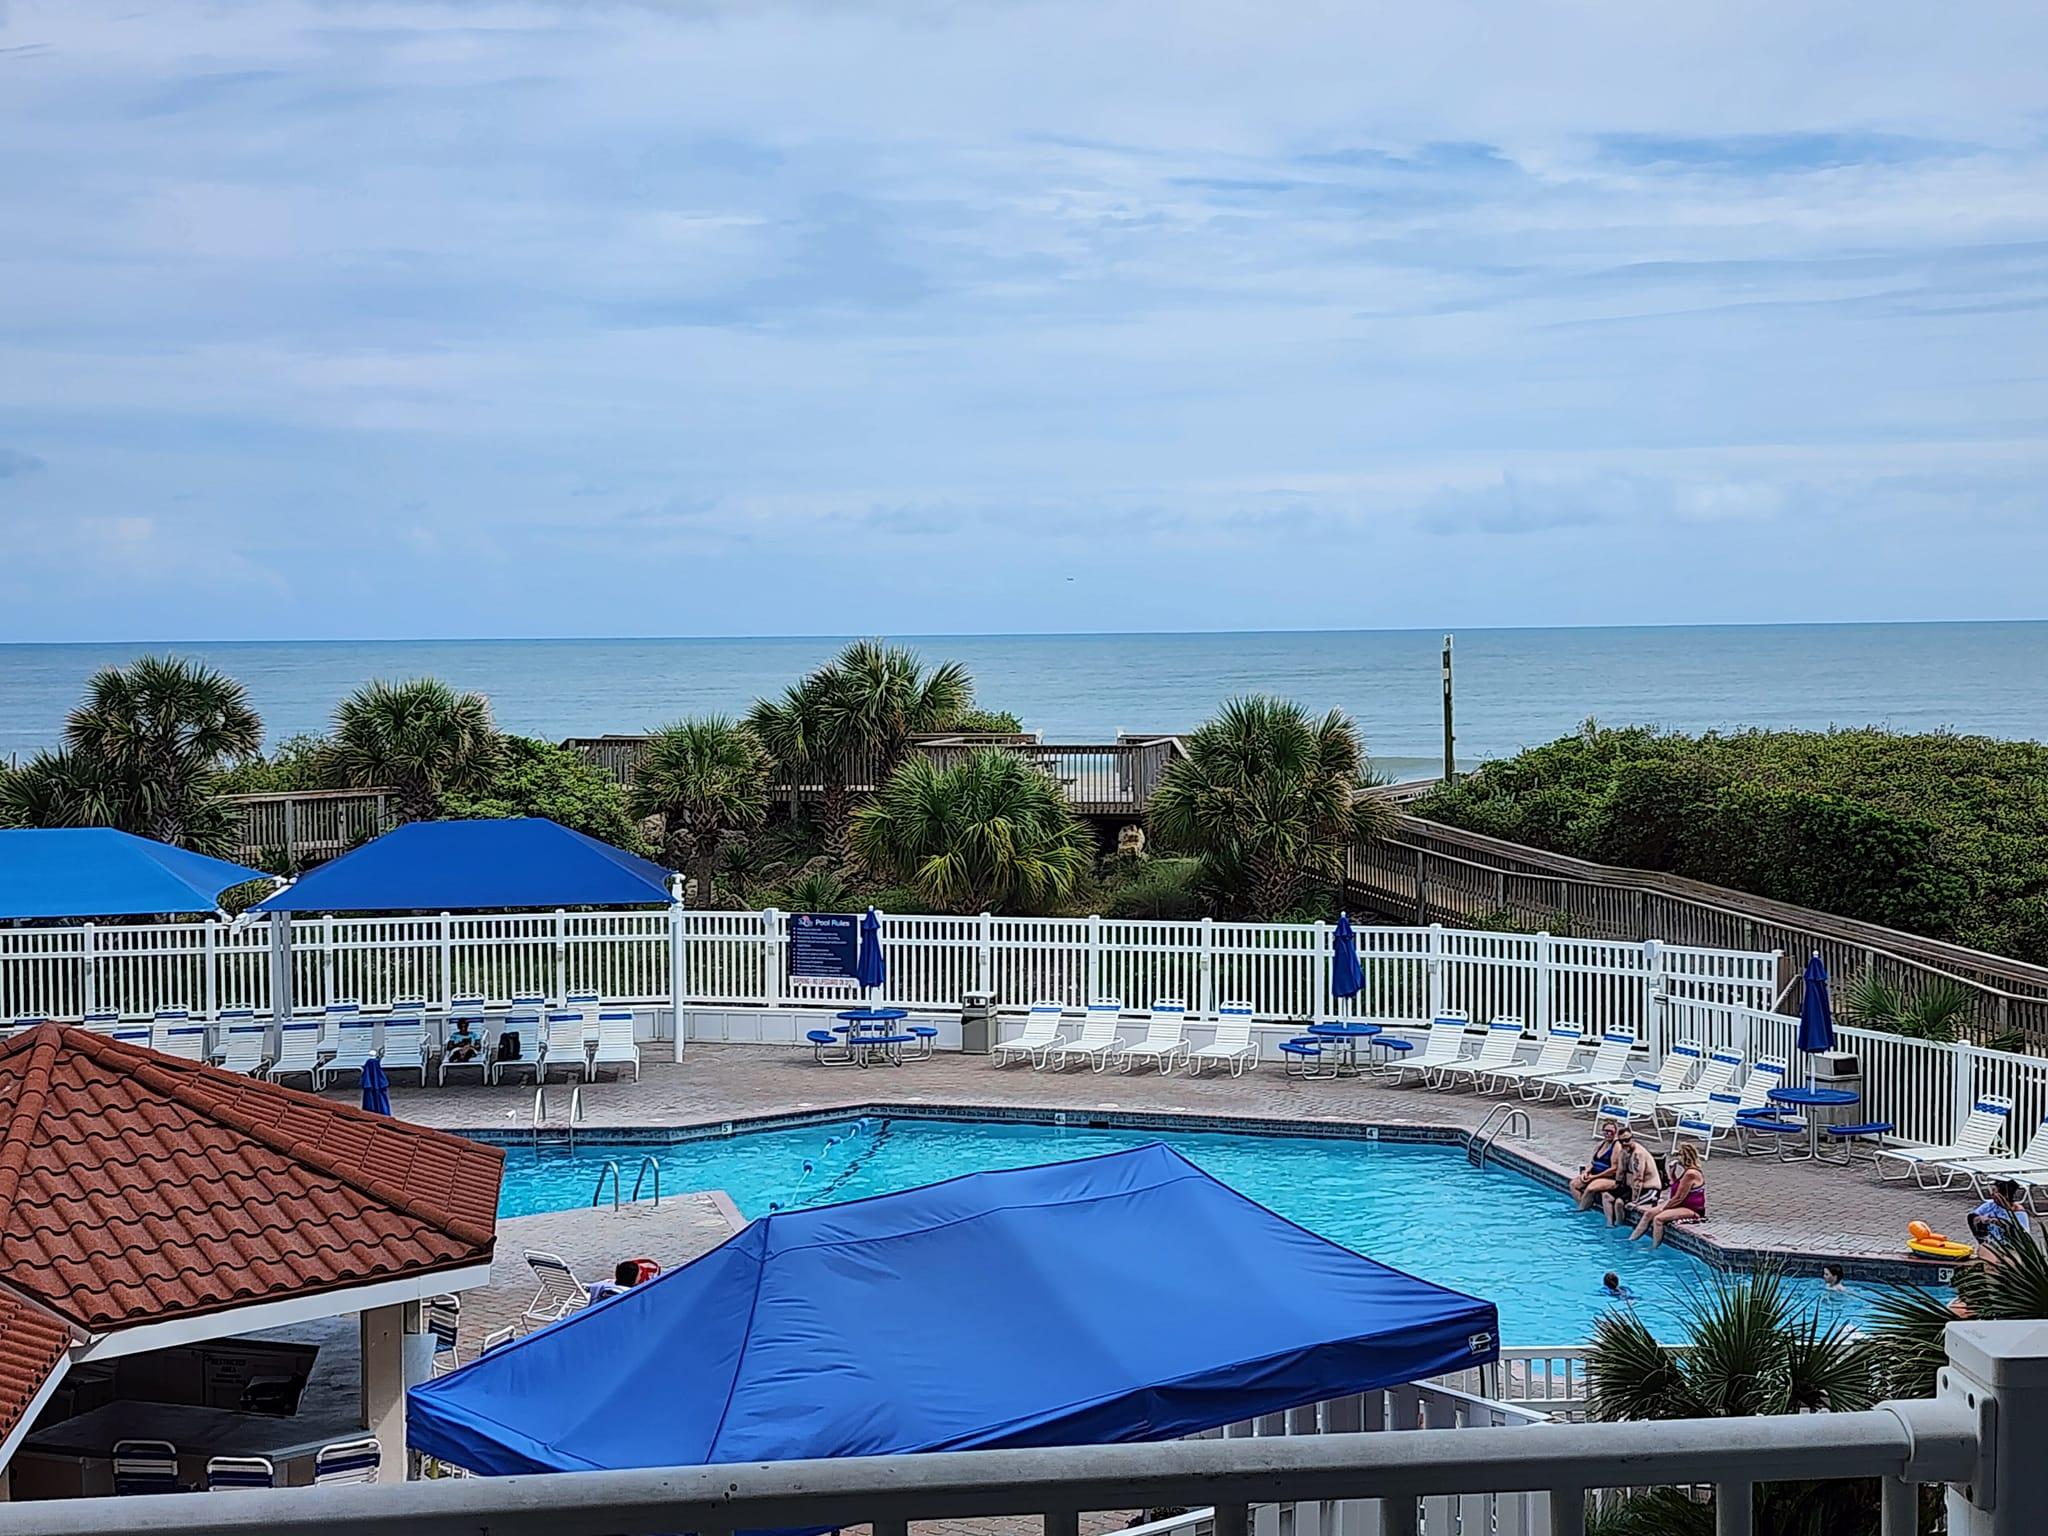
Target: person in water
(1597,1176)
(1685,1200)
(1831,1276)
(1612,1288)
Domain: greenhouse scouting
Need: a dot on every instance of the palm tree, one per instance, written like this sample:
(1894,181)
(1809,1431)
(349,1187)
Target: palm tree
(705,779)
(1752,1351)
(143,752)
(989,833)
(1268,799)
(1938,1011)
(421,739)
(850,722)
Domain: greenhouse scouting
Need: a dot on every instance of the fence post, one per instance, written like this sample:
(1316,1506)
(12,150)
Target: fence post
(985,954)
(89,987)
(561,957)
(1421,892)
(770,928)
(210,961)
(678,964)
(1545,959)
(1205,1002)
(1320,980)
(1651,1033)
(1962,1085)
(1436,971)
(326,961)
(447,959)
(1094,958)
(291,833)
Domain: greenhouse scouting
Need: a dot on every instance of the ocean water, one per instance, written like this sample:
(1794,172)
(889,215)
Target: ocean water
(1494,1234)
(1515,687)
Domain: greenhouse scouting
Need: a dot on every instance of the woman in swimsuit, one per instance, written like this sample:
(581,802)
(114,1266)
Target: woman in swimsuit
(1685,1201)
(1598,1175)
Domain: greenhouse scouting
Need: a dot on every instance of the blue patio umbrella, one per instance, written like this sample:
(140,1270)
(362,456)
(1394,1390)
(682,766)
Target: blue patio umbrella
(376,1088)
(1816,1015)
(1347,979)
(871,969)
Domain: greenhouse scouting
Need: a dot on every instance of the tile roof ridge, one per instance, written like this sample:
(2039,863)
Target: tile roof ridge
(149,1070)
(26,1113)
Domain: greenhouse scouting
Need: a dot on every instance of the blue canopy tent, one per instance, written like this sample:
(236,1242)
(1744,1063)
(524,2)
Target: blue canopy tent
(488,865)
(97,872)
(850,1330)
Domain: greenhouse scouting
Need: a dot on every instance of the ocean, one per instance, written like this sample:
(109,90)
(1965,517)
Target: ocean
(1515,687)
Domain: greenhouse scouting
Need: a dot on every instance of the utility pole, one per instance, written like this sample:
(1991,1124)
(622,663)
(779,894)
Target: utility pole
(1450,737)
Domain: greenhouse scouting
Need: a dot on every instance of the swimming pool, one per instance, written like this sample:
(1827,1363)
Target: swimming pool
(1492,1233)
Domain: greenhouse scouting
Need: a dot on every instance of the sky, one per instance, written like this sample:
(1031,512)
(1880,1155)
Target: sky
(341,319)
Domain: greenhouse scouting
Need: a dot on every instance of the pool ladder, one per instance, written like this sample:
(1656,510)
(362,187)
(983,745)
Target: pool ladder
(549,1135)
(1501,1119)
(611,1170)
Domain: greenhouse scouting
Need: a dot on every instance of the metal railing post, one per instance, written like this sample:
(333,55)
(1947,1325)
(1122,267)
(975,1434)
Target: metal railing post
(1205,1001)
(1999,1372)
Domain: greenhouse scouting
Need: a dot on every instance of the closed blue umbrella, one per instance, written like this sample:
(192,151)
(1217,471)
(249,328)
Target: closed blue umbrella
(871,969)
(376,1088)
(1347,979)
(1816,1015)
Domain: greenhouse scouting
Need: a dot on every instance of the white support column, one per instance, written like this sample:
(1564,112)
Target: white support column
(1436,971)
(1653,998)
(1094,958)
(1546,961)
(383,1396)
(561,996)
(211,982)
(1205,1000)
(1962,1084)
(89,982)
(280,968)
(985,954)
(447,959)
(771,969)
(678,964)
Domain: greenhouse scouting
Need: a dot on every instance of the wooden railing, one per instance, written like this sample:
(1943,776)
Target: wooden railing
(1108,779)
(1428,872)
(306,826)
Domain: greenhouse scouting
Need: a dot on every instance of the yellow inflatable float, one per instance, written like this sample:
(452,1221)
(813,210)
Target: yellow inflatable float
(1929,1244)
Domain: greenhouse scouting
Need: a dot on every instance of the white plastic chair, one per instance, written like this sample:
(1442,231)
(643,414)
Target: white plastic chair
(562,1048)
(1707,1123)
(560,1291)
(1717,1076)
(1041,1030)
(334,1018)
(1497,1049)
(405,1038)
(1608,1069)
(225,1474)
(472,1010)
(616,1046)
(145,1466)
(298,1051)
(102,1021)
(242,1041)
(1095,1041)
(1165,1040)
(355,1042)
(1232,1043)
(443,1317)
(1932,1167)
(347,1461)
(1554,1056)
(1444,1044)
(2031,1162)
(527,1027)
(176,1033)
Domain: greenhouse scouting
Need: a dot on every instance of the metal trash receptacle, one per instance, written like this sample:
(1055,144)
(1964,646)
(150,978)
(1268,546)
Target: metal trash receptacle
(977,1023)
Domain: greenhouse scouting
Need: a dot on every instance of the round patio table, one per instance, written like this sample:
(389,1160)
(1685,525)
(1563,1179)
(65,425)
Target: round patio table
(1812,1099)
(1345,1034)
(868,1031)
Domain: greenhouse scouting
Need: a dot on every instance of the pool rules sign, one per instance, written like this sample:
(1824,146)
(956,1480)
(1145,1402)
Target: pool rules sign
(824,946)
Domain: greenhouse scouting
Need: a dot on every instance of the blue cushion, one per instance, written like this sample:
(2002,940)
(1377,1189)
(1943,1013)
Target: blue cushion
(1869,1128)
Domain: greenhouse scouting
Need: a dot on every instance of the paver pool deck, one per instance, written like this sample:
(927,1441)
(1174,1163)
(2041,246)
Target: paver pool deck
(1757,1205)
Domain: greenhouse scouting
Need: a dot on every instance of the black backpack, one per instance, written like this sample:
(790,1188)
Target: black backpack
(508,1045)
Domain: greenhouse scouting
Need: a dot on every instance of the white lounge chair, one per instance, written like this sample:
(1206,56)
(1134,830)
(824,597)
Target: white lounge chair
(616,1046)
(145,1466)
(443,1317)
(1706,1123)
(1976,1141)
(242,1040)
(347,1461)
(586,1002)
(226,1474)
(298,1051)
(1232,1043)
(1497,1049)
(1608,1067)
(527,1027)
(1639,1106)
(405,1038)
(1680,1061)
(342,1013)
(1165,1040)
(131,1034)
(176,1033)
(1041,1029)
(1444,1044)
(355,1042)
(562,1048)
(2029,1164)
(1717,1076)
(470,1009)
(560,1291)
(102,1021)
(1554,1056)
(1094,1042)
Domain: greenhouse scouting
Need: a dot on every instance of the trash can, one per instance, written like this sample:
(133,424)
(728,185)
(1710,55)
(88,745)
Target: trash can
(977,1022)
(1835,1069)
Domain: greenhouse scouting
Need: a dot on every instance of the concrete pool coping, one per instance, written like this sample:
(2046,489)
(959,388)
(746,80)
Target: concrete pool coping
(1690,1239)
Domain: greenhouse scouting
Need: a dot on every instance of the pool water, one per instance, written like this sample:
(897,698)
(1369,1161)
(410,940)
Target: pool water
(1491,1233)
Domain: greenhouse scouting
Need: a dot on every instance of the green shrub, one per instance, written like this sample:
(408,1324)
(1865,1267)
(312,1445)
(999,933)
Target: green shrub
(537,778)
(1933,833)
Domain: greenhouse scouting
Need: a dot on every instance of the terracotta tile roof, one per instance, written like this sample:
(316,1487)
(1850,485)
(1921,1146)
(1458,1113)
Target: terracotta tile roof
(136,1187)
(32,1342)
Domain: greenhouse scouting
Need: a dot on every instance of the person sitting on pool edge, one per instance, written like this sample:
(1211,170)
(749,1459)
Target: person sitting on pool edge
(1599,1171)
(2004,1210)
(1686,1200)
(1635,1177)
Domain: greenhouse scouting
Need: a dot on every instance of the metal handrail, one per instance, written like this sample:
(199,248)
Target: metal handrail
(1491,1130)
(597,1194)
(647,1162)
